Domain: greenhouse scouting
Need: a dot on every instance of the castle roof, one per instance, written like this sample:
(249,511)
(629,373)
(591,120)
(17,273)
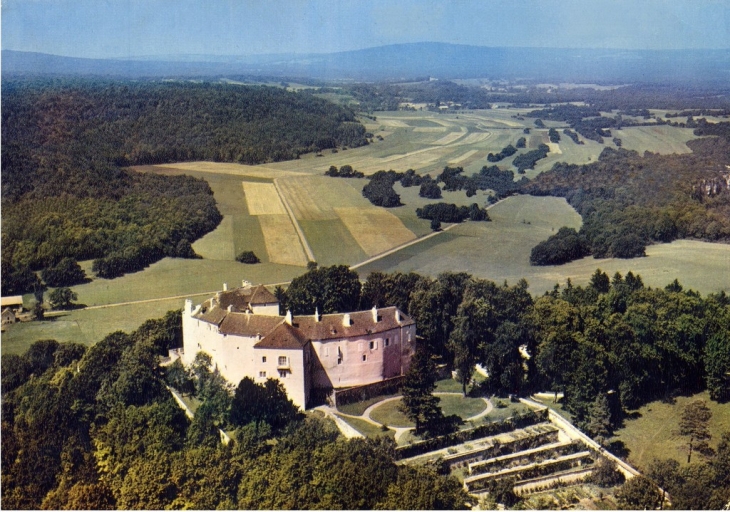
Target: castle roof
(243,324)
(241,298)
(361,323)
(284,336)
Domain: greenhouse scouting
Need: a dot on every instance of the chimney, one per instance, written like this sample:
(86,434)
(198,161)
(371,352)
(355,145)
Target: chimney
(188,307)
(225,287)
(230,308)
(288,319)
(245,283)
(316,314)
(346,322)
(375,314)
(397,315)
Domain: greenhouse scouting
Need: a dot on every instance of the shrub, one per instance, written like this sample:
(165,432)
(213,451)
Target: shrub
(248,257)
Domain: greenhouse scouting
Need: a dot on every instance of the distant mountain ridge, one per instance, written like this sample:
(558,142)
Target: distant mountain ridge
(403,61)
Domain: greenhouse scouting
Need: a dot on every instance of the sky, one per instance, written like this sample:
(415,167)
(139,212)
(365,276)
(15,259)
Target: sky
(134,28)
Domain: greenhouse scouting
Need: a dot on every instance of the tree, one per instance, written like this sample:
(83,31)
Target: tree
(67,273)
(694,424)
(462,345)
(717,364)
(600,281)
(606,474)
(638,493)
(329,289)
(62,298)
(599,422)
(418,403)
(248,257)
(430,189)
(421,488)
(435,225)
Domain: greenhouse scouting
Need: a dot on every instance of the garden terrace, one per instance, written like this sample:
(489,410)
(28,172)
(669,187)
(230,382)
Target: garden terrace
(521,458)
(475,450)
(490,429)
(532,471)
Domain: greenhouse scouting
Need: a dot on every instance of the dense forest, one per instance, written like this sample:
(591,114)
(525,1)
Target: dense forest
(66,144)
(120,441)
(628,200)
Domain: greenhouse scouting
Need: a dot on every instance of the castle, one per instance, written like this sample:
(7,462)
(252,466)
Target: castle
(243,332)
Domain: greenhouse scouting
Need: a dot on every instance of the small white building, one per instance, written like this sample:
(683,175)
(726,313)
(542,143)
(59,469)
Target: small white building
(246,336)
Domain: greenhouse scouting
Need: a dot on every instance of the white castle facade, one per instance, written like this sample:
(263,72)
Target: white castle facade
(245,336)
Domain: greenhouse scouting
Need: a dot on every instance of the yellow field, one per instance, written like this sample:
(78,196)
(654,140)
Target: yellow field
(313,198)
(375,230)
(255,171)
(463,157)
(394,123)
(429,129)
(262,199)
(554,148)
(450,138)
(282,241)
(474,138)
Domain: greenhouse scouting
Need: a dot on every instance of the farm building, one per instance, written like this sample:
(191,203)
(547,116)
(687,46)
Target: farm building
(11,308)
(245,336)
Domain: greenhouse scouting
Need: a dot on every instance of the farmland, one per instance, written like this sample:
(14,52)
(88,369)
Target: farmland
(284,210)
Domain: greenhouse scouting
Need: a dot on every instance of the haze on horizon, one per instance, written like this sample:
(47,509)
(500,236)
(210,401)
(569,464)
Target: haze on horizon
(137,28)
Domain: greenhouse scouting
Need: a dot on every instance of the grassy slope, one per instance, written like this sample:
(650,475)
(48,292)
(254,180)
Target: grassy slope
(653,433)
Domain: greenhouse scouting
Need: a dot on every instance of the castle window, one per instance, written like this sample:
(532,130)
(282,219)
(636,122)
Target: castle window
(282,374)
(262,375)
(339,356)
(364,357)
(387,342)
(282,360)
(359,346)
(263,359)
(373,345)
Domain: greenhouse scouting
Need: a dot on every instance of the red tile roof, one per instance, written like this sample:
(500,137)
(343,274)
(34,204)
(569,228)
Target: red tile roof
(284,336)
(361,323)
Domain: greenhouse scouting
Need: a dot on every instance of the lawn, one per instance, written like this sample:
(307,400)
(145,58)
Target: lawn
(367,429)
(501,413)
(85,326)
(653,433)
(389,414)
(462,407)
(358,408)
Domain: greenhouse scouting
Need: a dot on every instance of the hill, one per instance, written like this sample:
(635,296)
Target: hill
(410,60)
(66,143)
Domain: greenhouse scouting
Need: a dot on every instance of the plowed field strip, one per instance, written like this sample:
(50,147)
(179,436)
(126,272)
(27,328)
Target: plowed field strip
(282,241)
(262,199)
(374,230)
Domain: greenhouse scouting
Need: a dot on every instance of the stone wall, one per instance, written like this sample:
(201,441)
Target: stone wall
(360,393)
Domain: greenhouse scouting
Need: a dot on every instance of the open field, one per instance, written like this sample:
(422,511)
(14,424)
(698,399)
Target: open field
(657,139)
(376,230)
(500,250)
(282,242)
(254,171)
(653,434)
(262,199)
